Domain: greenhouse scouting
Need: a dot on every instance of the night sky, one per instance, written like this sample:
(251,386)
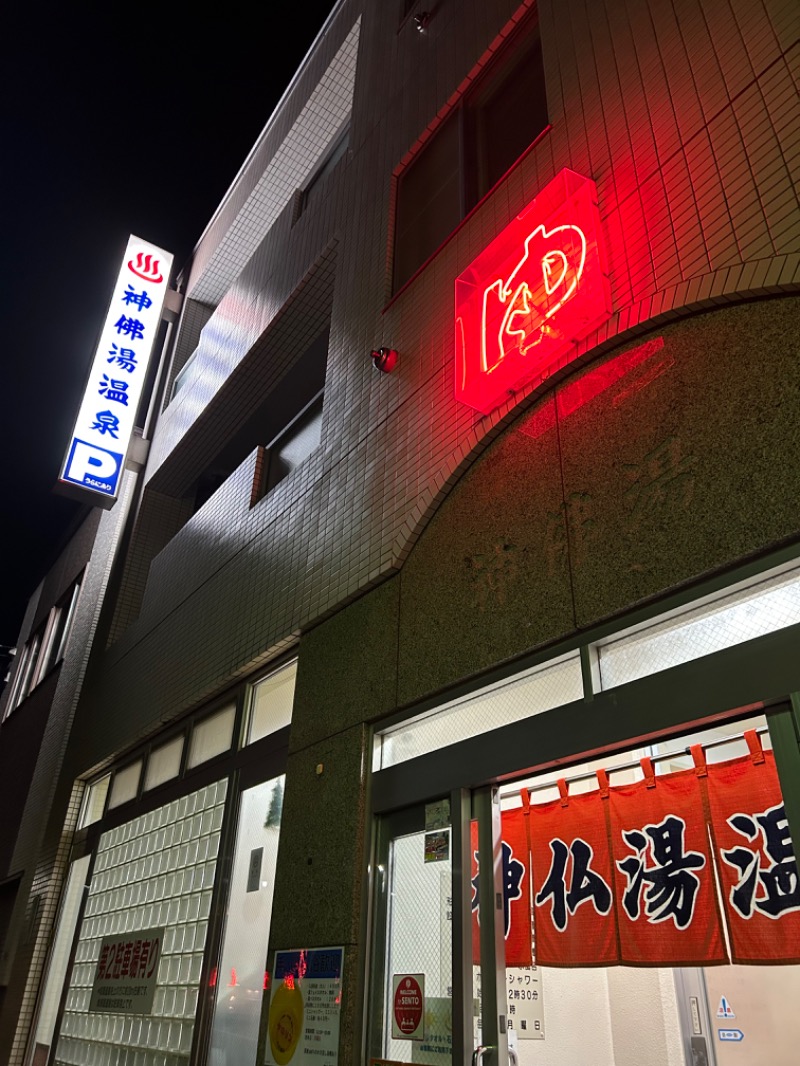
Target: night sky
(115,119)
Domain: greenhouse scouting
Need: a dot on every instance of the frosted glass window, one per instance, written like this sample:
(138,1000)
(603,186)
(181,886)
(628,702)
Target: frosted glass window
(212,736)
(59,958)
(94,801)
(271,703)
(531,693)
(164,763)
(153,872)
(240,985)
(732,619)
(125,784)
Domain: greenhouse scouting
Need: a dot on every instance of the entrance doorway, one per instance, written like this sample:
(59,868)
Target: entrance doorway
(640,907)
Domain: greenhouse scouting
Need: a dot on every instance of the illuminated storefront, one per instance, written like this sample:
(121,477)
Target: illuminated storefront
(538,776)
(651,891)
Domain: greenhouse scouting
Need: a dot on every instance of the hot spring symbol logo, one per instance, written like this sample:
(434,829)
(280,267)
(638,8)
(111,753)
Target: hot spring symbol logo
(146,266)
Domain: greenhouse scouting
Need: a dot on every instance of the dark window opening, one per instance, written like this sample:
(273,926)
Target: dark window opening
(284,454)
(470,152)
(428,201)
(287,407)
(503,117)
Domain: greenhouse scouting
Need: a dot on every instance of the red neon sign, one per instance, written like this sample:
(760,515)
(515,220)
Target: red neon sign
(530,295)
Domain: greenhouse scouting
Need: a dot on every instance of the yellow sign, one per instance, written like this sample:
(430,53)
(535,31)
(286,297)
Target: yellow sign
(285,1021)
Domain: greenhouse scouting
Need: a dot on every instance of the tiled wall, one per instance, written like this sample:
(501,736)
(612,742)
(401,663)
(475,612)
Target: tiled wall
(45,832)
(685,116)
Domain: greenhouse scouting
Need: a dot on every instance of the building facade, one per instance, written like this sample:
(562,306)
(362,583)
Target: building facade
(369,639)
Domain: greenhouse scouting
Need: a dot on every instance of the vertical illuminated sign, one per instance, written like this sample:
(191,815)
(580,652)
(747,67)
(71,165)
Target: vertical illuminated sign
(525,300)
(102,433)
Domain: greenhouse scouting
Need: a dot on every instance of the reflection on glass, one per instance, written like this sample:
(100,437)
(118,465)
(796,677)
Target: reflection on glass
(240,973)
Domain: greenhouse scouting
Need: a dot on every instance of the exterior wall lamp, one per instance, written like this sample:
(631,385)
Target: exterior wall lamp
(384,359)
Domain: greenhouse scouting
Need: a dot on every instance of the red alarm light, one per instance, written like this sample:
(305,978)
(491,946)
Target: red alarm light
(532,293)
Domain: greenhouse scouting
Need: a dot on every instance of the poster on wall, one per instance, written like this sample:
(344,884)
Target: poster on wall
(127,973)
(408,1006)
(437,846)
(305,1007)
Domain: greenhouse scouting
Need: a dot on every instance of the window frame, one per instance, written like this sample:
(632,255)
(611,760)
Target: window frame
(22,677)
(269,453)
(487,84)
(44,649)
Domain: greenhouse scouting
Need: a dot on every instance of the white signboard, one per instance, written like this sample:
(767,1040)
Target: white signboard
(99,443)
(525,1004)
(436,1049)
(305,1007)
(127,973)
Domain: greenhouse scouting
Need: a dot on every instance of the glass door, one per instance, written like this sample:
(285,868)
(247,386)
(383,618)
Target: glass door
(422,1001)
(238,979)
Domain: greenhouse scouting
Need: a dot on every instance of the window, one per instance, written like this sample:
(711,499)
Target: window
(94,801)
(300,438)
(58,629)
(470,152)
(271,703)
(23,682)
(300,421)
(211,736)
(164,763)
(286,428)
(125,784)
(45,648)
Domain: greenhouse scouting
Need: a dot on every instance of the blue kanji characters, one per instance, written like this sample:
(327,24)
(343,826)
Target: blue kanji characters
(584,883)
(125,358)
(107,422)
(513,872)
(131,327)
(772,890)
(114,390)
(141,300)
(670,885)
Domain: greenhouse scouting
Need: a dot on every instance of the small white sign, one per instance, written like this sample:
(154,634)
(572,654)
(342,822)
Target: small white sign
(127,973)
(437,815)
(725,1010)
(102,433)
(525,1003)
(734,1035)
